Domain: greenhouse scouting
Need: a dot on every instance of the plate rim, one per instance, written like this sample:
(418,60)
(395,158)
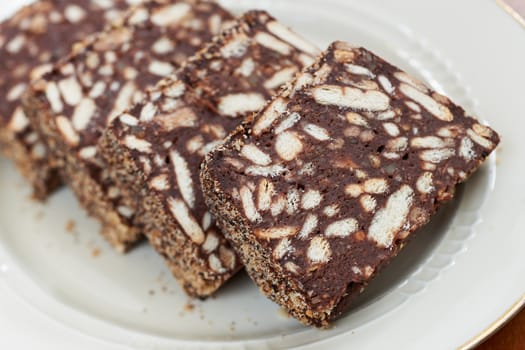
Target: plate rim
(495,326)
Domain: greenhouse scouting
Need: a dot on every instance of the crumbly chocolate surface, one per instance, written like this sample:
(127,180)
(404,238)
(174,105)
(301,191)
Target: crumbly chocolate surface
(73,104)
(30,42)
(329,181)
(155,148)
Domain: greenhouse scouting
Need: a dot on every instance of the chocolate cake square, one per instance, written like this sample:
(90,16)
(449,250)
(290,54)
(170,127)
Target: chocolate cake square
(73,104)
(328,182)
(154,150)
(30,42)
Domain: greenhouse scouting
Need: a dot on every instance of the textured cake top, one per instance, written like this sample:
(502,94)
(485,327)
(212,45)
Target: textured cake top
(105,76)
(169,133)
(238,73)
(342,166)
(37,36)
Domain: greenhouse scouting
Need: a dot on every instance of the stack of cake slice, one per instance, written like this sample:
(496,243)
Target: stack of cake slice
(231,142)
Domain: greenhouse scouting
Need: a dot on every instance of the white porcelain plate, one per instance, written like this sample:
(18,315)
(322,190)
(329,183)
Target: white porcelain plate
(62,285)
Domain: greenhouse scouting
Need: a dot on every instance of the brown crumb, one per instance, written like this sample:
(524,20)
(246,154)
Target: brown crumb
(232,326)
(189,306)
(498,156)
(95,252)
(70,226)
(283,313)
(160,277)
(498,153)
(151,292)
(39,215)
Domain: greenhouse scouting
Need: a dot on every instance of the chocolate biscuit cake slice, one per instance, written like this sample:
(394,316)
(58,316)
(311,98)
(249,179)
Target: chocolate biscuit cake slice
(330,180)
(30,41)
(155,149)
(73,104)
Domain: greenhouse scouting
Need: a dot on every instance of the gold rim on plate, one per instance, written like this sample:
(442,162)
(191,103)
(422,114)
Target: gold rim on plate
(511,11)
(495,326)
(520,304)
